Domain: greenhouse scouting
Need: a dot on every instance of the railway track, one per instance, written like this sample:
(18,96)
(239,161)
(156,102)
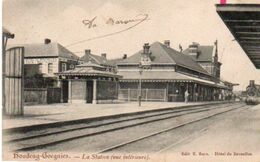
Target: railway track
(25,134)
(188,138)
(156,136)
(43,139)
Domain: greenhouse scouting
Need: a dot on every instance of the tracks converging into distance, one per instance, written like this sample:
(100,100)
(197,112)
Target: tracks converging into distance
(151,131)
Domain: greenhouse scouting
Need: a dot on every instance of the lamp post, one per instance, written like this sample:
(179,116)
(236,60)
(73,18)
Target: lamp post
(145,63)
(142,66)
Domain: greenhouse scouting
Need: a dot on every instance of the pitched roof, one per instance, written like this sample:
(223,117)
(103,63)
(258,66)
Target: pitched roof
(184,60)
(90,64)
(206,53)
(97,59)
(159,55)
(64,52)
(162,54)
(114,61)
(152,75)
(85,71)
(48,50)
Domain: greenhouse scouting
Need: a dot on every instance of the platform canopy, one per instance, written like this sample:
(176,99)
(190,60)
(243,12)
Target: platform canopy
(165,76)
(243,21)
(89,69)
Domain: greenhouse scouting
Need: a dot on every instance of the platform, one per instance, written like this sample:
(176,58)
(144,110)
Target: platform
(54,113)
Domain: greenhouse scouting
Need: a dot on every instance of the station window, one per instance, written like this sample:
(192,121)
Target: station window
(72,66)
(50,68)
(40,68)
(63,66)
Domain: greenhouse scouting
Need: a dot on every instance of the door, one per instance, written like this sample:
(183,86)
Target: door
(89,91)
(53,95)
(182,91)
(65,91)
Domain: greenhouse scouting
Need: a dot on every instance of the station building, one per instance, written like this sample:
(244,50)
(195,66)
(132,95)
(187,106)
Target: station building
(41,62)
(48,58)
(99,60)
(157,72)
(166,77)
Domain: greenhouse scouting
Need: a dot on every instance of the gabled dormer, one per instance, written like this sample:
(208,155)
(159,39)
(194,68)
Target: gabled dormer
(194,50)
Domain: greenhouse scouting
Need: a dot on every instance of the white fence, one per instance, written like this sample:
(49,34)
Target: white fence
(147,94)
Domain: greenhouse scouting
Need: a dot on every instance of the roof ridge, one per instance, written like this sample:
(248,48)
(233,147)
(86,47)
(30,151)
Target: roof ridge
(207,53)
(42,43)
(177,52)
(93,57)
(185,57)
(206,45)
(166,52)
(58,50)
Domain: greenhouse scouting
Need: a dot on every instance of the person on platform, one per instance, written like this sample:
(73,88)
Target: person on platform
(186,95)
(196,97)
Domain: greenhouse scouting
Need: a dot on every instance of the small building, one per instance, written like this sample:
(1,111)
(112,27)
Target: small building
(89,83)
(166,77)
(49,57)
(41,61)
(99,60)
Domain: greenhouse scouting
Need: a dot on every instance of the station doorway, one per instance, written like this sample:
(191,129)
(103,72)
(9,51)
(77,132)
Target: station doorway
(89,95)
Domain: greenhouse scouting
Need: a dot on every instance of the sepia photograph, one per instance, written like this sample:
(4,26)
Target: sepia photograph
(130,80)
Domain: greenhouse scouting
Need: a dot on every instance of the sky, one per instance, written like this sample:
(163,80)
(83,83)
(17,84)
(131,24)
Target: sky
(181,22)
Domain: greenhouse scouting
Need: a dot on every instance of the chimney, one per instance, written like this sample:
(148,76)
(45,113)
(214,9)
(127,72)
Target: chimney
(146,48)
(251,82)
(124,56)
(47,41)
(104,55)
(167,43)
(87,53)
(193,49)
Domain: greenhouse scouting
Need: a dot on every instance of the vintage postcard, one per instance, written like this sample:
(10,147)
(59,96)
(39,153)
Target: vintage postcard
(131,80)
